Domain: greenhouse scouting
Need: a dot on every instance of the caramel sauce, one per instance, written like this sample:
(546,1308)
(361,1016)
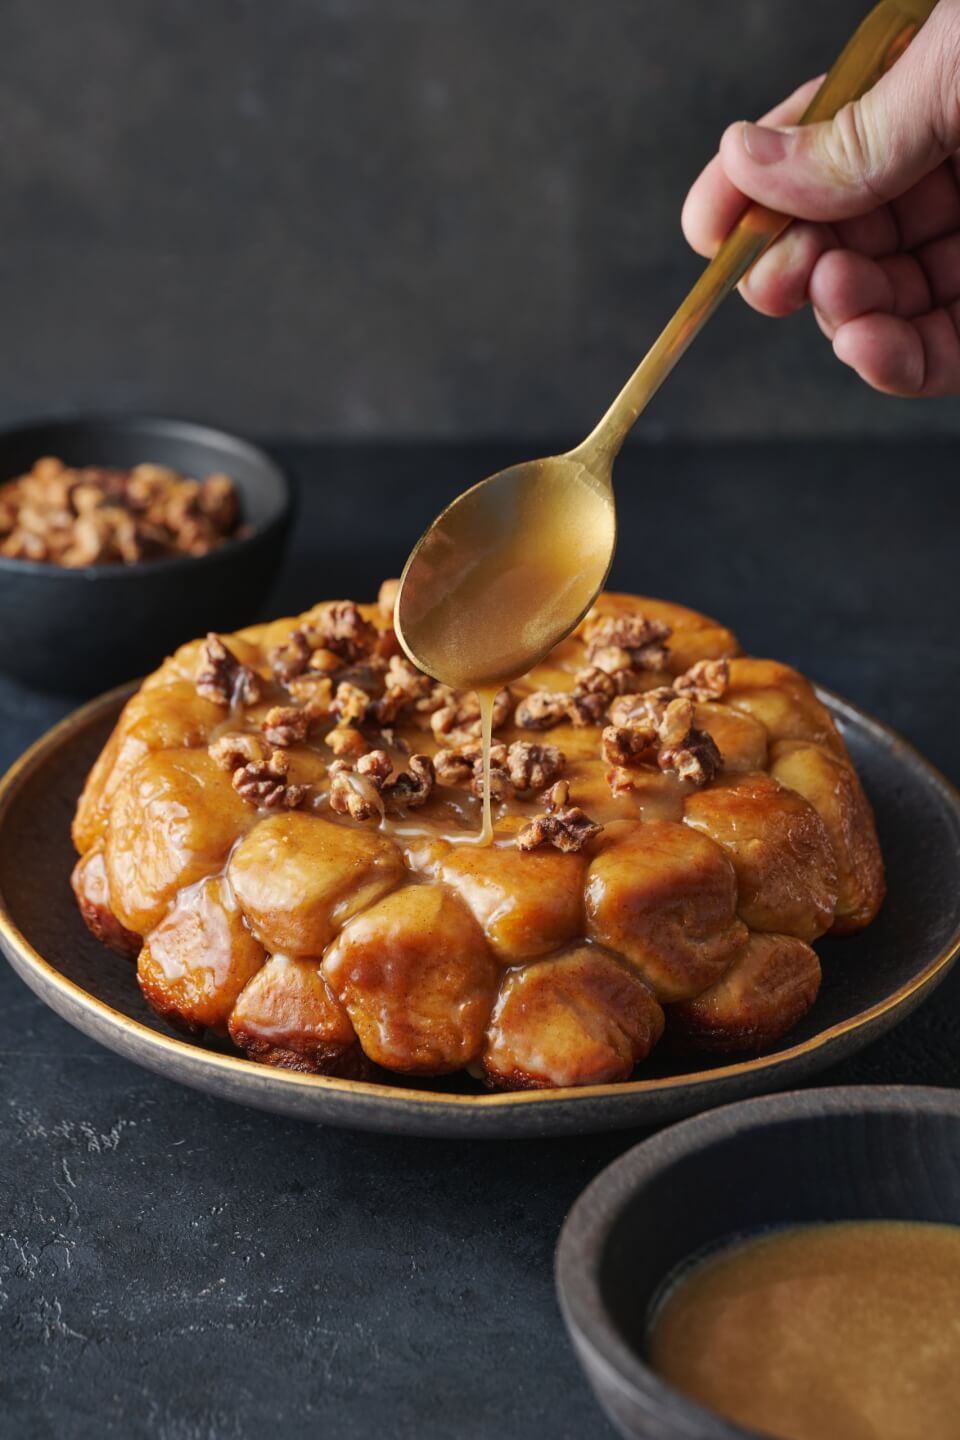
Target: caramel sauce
(846,1331)
(501,578)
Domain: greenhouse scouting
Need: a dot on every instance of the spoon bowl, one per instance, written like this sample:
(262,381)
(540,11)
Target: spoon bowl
(508,570)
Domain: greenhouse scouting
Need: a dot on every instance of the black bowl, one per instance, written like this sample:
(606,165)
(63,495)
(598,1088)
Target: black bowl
(79,631)
(850,1153)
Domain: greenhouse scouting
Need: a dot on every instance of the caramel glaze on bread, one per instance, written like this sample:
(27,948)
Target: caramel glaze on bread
(276,830)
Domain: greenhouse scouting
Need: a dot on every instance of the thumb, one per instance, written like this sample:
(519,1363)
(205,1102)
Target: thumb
(873,150)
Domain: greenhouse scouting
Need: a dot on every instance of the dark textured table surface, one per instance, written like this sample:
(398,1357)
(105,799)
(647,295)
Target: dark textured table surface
(178,1268)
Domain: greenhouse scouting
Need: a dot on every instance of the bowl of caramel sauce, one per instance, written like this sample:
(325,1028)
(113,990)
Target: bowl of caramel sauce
(787,1267)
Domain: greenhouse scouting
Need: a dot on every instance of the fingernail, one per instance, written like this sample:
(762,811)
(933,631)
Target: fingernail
(767,146)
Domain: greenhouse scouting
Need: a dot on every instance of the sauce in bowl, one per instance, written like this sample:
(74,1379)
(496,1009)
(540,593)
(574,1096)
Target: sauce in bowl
(841,1331)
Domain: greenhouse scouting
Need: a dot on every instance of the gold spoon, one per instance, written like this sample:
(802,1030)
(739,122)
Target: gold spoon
(508,570)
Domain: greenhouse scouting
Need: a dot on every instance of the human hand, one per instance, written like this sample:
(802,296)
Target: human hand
(876,248)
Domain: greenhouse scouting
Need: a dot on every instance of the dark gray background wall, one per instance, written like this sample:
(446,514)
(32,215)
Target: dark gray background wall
(367,218)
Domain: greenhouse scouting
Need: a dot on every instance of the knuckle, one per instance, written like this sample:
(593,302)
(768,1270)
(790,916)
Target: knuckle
(853,148)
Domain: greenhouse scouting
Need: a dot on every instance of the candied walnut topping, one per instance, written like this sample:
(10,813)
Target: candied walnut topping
(286,724)
(350,703)
(347,743)
(292,657)
(629,745)
(98,515)
(704,681)
(340,628)
(458,722)
(232,751)
(314,691)
(403,685)
(557,797)
(542,709)
(387,598)
(220,677)
(264,783)
(638,711)
(567,829)
(530,766)
(639,640)
(453,767)
(690,752)
(367,789)
(355,795)
(412,787)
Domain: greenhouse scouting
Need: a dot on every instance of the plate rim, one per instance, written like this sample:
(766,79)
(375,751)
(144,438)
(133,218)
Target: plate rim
(30,965)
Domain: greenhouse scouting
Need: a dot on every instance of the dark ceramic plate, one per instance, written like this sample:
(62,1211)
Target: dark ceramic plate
(871,980)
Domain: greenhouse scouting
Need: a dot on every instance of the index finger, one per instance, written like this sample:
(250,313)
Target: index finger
(713,206)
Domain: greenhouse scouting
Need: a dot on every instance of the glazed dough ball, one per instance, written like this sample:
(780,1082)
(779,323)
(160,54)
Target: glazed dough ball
(783,700)
(578,1018)
(833,789)
(169,718)
(298,878)
(771,985)
(741,740)
(195,963)
(286,1016)
(786,871)
(416,978)
(665,897)
(527,903)
(92,891)
(172,822)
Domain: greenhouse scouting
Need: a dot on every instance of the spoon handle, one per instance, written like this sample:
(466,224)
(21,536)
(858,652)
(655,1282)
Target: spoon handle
(877,43)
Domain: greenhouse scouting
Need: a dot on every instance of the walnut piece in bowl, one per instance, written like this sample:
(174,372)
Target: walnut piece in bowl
(109,553)
(95,515)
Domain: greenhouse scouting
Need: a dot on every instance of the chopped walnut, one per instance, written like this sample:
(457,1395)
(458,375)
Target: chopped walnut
(567,829)
(286,725)
(621,781)
(340,628)
(595,681)
(367,790)
(347,743)
(264,783)
(542,709)
(100,515)
(704,681)
(404,684)
(355,795)
(557,797)
(313,691)
(530,766)
(230,752)
(643,709)
(387,598)
(291,658)
(412,787)
(452,767)
(629,745)
(641,639)
(612,660)
(350,703)
(439,697)
(323,662)
(458,722)
(220,677)
(692,754)
(587,707)
(376,766)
